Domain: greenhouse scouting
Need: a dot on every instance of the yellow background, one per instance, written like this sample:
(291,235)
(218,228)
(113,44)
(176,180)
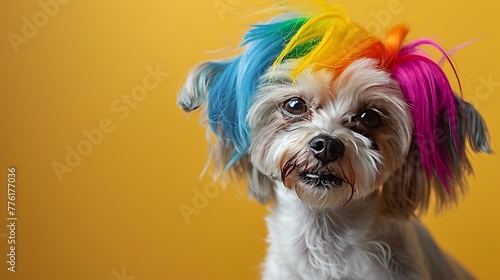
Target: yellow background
(116,214)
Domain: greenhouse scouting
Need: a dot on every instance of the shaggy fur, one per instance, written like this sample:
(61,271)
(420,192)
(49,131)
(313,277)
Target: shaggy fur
(346,153)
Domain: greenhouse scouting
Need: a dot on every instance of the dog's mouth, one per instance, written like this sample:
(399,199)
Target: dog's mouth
(325,180)
(302,175)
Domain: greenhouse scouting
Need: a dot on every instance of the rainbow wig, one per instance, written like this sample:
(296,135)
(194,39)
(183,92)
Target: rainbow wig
(330,40)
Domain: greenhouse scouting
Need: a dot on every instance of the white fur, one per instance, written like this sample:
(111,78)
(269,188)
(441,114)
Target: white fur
(350,242)
(339,233)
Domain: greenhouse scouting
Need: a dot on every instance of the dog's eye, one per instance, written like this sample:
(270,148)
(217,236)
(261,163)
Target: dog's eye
(370,118)
(295,106)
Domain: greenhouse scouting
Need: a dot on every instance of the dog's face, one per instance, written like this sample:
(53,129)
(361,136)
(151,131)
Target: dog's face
(333,112)
(329,139)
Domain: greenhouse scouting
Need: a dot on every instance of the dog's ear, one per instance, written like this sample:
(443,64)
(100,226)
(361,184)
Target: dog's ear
(199,81)
(212,84)
(443,126)
(472,127)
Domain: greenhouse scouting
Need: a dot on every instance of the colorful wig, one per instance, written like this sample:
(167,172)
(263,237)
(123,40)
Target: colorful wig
(330,40)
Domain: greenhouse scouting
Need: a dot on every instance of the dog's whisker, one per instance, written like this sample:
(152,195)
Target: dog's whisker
(354,145)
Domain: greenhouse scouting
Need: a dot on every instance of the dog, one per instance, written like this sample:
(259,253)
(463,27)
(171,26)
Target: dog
(345,135)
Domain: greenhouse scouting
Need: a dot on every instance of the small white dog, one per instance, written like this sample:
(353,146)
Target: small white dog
(348,134)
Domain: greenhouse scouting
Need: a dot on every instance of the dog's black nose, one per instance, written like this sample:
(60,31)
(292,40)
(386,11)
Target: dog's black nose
(326,148)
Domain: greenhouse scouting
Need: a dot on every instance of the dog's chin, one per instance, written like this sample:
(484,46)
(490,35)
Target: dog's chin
(320,189)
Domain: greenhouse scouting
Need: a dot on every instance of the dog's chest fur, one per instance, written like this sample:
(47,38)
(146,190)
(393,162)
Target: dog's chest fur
(347,243)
